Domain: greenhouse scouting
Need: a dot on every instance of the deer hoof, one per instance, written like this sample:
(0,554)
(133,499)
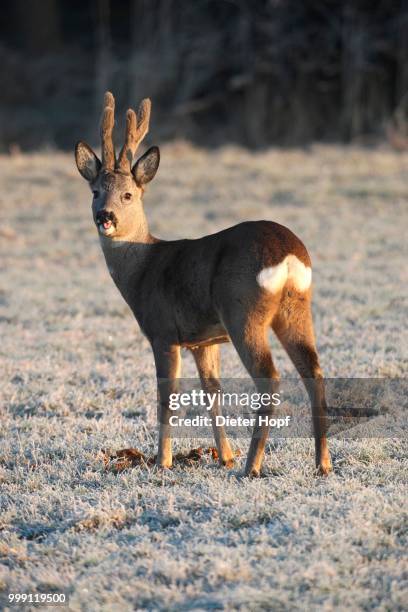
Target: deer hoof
(227,463)
(164,465)
(324,469)
(252,473)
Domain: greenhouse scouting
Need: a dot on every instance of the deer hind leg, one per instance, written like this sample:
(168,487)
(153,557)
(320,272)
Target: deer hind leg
(294,327)
(207,359)
(250,340)
(168,362)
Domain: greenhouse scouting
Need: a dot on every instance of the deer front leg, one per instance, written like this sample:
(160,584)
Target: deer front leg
(207,360)
(168,361)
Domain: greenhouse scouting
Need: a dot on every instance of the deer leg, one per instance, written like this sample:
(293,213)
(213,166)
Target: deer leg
(250,341)
(168,362)
(295,332)
(207,359)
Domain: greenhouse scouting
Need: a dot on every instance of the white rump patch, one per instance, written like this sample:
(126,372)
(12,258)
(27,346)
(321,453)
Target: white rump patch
(291,268)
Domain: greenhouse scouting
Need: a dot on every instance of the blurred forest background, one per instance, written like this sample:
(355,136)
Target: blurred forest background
(253,72)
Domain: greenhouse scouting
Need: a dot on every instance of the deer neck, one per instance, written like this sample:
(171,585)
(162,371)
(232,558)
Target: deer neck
(126,259)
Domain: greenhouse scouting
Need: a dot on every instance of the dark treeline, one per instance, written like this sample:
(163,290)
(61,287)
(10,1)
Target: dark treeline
(256,72)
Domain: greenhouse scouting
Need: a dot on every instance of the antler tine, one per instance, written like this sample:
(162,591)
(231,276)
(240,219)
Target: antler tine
(129,148)
(107,123)
(136,130)
(143,115)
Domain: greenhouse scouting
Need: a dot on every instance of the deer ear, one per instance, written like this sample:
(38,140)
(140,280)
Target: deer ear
(87,162)
(145,168)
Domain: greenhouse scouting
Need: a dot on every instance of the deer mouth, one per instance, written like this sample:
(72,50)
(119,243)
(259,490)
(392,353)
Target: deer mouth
(106,228)
(106,224)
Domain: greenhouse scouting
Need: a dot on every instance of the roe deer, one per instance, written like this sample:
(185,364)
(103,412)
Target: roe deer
(229,286)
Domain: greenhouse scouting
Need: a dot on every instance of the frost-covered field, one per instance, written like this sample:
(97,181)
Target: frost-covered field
(77,376)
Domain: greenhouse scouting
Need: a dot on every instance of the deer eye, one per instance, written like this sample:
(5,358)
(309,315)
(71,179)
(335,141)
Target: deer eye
(95,194)
(127,196)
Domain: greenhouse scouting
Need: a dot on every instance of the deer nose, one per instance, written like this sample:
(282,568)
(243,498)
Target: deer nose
(105,215)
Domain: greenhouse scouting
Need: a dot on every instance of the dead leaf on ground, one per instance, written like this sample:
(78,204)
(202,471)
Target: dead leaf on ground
(126,458)
(193,456)
(123,459)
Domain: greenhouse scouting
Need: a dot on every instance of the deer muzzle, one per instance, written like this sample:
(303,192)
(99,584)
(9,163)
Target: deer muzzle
(106,222)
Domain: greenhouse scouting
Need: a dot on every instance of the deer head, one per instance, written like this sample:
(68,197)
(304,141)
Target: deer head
(118,185)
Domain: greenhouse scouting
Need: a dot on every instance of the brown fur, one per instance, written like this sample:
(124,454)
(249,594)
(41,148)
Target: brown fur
(198,293)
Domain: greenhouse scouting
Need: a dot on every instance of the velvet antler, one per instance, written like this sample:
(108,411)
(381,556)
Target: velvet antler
(136,130)
(107,123)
